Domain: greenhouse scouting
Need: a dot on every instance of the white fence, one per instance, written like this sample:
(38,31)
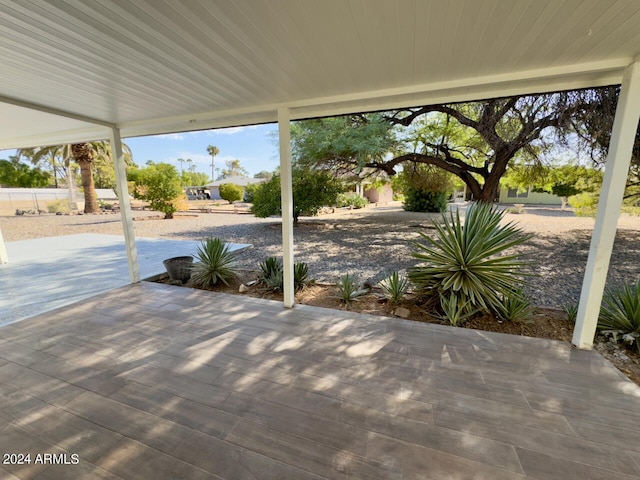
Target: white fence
(36,199)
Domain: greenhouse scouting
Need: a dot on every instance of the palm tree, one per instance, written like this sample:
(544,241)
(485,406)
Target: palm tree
(189,169)
(84,154)
(213,151)
(181,160)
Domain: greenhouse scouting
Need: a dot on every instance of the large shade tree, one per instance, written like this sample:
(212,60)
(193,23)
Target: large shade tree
(89,156)
(475,141)
(593,128)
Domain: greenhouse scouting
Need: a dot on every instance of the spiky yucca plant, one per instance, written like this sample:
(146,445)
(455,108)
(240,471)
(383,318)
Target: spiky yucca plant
(349,288)
(469,261)
(620,313)
(516,307)
(215,262)
(394,287)
(455,310)
(272,274)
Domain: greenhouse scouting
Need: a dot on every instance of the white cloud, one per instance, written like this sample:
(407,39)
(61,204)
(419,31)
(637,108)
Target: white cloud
(177,136)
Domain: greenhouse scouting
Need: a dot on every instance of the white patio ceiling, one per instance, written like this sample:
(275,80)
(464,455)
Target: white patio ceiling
(160,66)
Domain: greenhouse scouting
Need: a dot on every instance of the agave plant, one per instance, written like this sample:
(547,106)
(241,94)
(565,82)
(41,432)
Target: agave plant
(394,287)
(620,313)
(349,288)
(215,262)
(456,309)
(300,275)
(572,312)
(470,261)
(272,274)
(516,307)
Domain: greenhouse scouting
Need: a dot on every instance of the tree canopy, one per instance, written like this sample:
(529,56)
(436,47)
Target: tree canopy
(475,141)
(159,184)
(93,158)
(234,169)
(312,190)
(14,173)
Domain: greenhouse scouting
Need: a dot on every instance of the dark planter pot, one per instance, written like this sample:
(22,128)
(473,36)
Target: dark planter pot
(179,268)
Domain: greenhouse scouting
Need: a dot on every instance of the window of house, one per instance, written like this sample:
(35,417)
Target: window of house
(513,193)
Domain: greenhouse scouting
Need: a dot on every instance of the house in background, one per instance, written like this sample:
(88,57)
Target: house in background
(528,197)
(214,187)
(380,194)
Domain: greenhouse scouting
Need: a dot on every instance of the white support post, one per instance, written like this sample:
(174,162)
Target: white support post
(623,135)
(286,187)
(4,258)
(125,205)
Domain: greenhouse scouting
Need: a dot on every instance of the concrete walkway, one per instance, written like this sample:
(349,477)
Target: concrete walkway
(47,273)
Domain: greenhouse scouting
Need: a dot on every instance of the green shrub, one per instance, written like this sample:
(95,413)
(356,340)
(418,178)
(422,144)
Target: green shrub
(470,262)
(351,200)
(231,193)
(272,274)
(416,200)
(584,204)
(312,190)
(394,287)
(159,184)
(620,313)
(249,192)
(215,262)
(516,307)
(58,206)
(349,288)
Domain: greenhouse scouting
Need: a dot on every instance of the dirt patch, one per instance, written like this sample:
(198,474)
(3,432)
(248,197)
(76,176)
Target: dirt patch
(550,323)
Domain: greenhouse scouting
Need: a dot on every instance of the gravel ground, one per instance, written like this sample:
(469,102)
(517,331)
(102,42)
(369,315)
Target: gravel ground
(370,242)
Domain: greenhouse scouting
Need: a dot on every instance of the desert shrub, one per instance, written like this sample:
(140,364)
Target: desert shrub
(416,200)
(426,188)
(249,192)
(351,200)
(272,274)
(516,307)
(584,204)
(58,206)
(470,262)
(620,313)
(215,262)
(312,190)
(349,288)
(159,184)
(394,287)
(231,193)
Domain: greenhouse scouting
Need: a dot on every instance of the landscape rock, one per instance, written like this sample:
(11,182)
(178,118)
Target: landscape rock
(402,312)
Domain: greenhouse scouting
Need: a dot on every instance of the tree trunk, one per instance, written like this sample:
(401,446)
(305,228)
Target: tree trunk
(83,155)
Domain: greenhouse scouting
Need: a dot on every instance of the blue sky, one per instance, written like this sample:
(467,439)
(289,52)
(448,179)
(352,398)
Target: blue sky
(255,146)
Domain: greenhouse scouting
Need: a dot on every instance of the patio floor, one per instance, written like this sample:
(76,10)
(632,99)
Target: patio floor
(47,273)
(162,382)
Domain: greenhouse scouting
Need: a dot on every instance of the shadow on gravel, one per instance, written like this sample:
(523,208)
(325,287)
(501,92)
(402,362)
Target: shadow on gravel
(373,246)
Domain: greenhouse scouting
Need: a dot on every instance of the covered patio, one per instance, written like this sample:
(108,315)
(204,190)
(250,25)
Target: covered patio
(155,381)
(152,381)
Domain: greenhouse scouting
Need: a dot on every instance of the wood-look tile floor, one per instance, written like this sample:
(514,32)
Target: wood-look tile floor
(159,382)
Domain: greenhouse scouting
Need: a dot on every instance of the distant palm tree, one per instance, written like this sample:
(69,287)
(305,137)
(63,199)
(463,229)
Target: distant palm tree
(190,170)
(84,154)
(213,151)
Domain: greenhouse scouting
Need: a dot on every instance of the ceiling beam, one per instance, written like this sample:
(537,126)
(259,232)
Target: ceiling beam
(54,111)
